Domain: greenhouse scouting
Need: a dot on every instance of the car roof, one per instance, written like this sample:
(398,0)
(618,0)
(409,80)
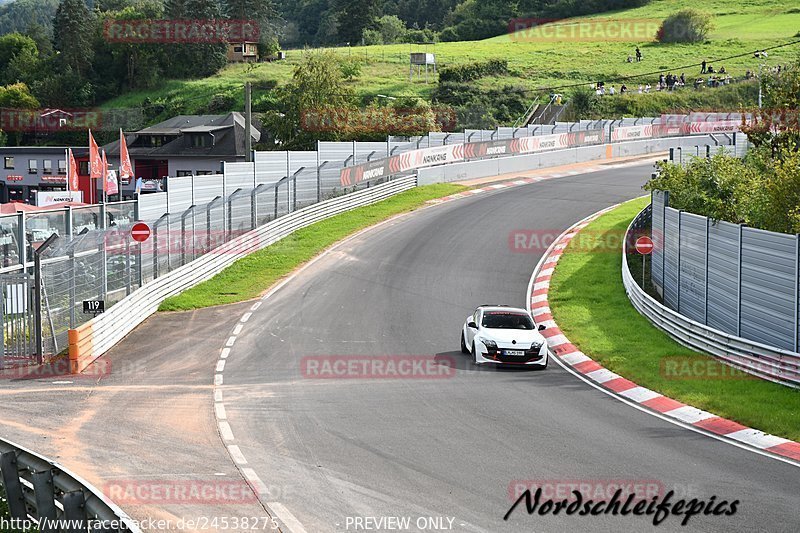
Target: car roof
(503,308)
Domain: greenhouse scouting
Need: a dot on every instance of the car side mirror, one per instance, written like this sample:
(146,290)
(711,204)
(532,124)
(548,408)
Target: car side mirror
(472,324)
(542,327)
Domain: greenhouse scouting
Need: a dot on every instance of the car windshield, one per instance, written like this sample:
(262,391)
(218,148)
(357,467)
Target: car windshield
(506,320)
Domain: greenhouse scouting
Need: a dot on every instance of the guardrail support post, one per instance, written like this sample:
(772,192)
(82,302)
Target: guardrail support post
(12,485)
(45,502)
(74,511)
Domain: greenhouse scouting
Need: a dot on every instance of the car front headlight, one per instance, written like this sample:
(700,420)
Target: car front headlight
(536,346)
(491,345)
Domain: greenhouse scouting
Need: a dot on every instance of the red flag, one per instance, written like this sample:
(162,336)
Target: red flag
(125,167)
(72,177)
(95,164)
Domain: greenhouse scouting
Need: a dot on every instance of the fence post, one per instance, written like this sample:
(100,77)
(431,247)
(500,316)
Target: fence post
(319,177)
(739,287)
(678,269)
(104,272)
(22,242)
(796,291)
(705,298)
(37,296)
(72,286)
(138,245)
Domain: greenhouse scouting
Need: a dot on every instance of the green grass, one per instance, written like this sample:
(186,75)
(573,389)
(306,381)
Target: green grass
(590,306)
(249,277)
(740,27)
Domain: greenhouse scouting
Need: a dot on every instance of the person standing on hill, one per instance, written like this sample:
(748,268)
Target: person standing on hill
(703,67)
(638,54)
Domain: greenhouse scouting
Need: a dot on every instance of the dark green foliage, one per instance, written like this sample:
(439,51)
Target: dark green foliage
(73,25)
(481,109)
(685,26)
(473,71)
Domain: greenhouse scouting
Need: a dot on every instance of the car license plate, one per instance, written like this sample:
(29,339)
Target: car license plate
(515,352)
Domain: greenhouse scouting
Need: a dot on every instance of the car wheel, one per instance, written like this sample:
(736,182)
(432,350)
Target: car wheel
(463,344)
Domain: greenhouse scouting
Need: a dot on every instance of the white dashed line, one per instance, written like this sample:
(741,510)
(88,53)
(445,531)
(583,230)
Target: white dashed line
(291,522)
(217,379)
(225,353)
(237,455)
(255,306)
(246,317)
(221,365)
(218,395)
(225,431)
(219,408)
(255,481)
(230,342)
(238,329)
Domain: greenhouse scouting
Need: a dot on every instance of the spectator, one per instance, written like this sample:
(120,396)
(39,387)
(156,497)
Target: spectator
(722,70)
(611,91)
(630,58)
(647,87)
(698,82)
(623,89)
(748,75)
(683,79)
(710,69)
(640,88)
(703,67)
(638,54)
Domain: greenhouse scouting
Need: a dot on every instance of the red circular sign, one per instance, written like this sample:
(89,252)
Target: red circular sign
(644,245)
(140,232)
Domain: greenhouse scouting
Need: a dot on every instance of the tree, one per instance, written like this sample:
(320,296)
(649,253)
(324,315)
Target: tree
(14,45)
(685,26)
(72,31)
(194,60)
(316,88)
(354,16)
(17,96)
(391,29)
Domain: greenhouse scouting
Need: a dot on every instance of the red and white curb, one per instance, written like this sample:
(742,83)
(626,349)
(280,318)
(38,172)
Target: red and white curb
(572,359)
(525,181)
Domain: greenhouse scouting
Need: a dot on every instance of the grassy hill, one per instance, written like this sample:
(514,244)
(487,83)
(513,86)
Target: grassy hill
(739,28)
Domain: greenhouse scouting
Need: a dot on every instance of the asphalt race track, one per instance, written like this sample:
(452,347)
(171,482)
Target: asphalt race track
(334,450)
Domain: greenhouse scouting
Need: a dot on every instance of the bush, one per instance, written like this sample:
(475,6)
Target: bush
(762,191)
(686,26)
(473,71)
(221,103)
(350,68)
(476,108)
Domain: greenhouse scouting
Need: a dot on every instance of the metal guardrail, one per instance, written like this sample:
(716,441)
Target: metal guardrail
(48,496)
(767,362)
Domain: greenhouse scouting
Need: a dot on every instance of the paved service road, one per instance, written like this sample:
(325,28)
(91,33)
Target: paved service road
(336,450)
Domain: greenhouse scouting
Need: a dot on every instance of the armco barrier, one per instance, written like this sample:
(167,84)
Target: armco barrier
(767,362)
(36,487)
(94,338)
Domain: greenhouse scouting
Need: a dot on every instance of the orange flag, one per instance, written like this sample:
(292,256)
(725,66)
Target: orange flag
(72,177)
(125,167)
(95,164)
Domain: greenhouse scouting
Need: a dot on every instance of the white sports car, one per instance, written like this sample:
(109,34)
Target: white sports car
(504,335)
